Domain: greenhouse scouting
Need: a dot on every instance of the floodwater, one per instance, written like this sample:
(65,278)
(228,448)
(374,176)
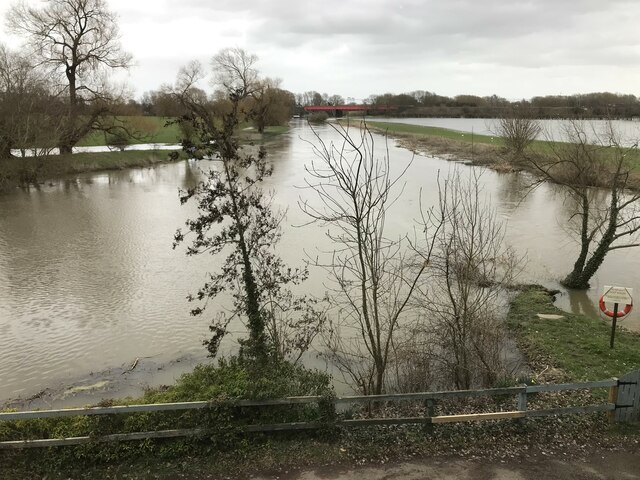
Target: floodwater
(89,282)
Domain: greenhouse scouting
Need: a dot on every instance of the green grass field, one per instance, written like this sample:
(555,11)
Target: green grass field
(577,344)
(149,130)
(162,130)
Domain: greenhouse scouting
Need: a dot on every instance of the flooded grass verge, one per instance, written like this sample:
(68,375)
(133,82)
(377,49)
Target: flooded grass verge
(483,150)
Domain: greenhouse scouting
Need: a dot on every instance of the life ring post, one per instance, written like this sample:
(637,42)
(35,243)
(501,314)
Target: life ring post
(613,324)
(618,296)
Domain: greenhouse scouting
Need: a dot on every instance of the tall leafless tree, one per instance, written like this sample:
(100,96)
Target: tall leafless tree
(235,71)
(77,40)
(373,280)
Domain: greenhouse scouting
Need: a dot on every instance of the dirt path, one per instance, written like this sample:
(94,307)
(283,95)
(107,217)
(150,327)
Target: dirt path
(600,466)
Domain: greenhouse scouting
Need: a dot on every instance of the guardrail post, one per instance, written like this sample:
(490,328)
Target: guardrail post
(430,405)
(613,398)
(522,403)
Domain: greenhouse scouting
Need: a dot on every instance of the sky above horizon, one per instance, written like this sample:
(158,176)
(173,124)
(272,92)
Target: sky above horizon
(354,48)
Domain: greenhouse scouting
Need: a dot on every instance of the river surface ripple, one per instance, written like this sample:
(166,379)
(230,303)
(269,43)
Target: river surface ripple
(89,281)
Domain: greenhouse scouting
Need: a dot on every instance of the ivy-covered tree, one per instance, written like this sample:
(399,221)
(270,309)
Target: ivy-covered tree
(236,218)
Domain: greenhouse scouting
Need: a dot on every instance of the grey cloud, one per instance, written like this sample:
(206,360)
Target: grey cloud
(404,42)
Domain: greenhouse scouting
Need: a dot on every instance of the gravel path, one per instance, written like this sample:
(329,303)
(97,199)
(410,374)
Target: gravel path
(604,465)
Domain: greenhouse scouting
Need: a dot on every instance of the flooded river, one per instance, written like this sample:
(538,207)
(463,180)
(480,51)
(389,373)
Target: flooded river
(89,282)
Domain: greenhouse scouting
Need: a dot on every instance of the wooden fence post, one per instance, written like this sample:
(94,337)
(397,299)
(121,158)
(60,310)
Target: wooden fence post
(613,398)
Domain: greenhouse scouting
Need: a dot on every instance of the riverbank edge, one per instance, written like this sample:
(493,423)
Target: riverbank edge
(23,172)
(481,150)
(18,172)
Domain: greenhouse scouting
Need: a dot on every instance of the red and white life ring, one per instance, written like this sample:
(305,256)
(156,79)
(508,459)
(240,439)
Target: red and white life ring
(621,313)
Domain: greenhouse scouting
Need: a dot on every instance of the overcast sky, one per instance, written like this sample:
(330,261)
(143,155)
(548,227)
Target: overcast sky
(513,48)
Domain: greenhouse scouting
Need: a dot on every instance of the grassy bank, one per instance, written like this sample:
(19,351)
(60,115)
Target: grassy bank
(222,384)
(31,170)
(576,344)
(147,130)
(421,130)
(20,171)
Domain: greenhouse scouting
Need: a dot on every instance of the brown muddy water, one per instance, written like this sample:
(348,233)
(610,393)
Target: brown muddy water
(89,282)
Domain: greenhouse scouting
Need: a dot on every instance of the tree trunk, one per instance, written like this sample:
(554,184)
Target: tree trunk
(579,279)
(69,137)
(5,148)
(379,379)
(65,148)
(257,342)
(575,277)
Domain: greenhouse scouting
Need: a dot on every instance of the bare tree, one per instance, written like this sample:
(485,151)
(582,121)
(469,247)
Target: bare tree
(76,39)
(372,278)
(463,292)
(28,113)
(601,226)
(265,103)
(518,130)
(235,71)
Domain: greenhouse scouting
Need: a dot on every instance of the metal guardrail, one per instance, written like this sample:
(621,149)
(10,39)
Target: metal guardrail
(520,413)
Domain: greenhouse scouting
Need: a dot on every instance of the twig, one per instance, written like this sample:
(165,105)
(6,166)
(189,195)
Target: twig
(135,363)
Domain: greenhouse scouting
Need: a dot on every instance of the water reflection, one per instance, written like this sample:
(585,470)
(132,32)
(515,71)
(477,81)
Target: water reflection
(580,302)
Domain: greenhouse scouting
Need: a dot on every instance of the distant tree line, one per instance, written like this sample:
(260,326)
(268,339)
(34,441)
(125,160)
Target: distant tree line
(422,103)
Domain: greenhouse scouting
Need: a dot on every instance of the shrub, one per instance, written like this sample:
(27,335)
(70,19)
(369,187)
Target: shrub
(318,117)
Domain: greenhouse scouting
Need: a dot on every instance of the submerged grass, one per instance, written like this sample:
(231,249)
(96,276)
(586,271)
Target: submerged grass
(404,128)
(577,344)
